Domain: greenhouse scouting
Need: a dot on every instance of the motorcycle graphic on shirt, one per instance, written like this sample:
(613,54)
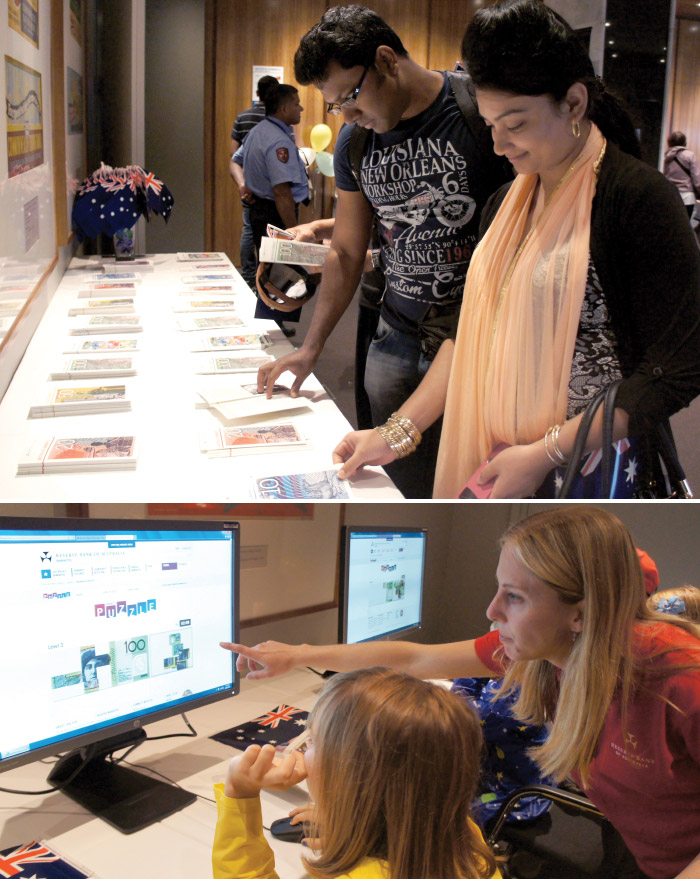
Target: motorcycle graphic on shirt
(452,210)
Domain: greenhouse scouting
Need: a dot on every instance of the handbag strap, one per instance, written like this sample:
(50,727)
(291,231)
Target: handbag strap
(679,485)
(607,394)
(607,441)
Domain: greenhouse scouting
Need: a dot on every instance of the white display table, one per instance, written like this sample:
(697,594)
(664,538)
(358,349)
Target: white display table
(163,418)
(178,847)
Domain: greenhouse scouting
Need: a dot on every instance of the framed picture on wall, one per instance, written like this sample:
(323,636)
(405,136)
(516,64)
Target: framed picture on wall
(25,127)
(74,96)
(23,17)
(76,17)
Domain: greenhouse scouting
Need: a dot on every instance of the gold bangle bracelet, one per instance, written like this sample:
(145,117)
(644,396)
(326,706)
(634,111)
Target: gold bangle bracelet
(555,445)
(546,447)
(405,423)
(397,439)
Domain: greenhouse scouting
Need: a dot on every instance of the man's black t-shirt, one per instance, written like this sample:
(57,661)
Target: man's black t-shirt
(423,181)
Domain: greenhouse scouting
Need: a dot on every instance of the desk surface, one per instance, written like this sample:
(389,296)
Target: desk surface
(163,418)
(178,847)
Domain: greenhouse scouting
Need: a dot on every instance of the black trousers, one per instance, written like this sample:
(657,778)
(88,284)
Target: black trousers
(367,320)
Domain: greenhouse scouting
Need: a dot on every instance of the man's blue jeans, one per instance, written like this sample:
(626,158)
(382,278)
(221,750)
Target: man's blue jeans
(249,260)
(395,367)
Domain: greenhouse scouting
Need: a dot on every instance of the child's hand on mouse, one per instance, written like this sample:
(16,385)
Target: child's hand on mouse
(256,768)
(301,814)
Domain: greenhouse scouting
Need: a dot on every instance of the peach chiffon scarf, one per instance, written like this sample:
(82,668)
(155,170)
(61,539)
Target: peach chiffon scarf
(511,368)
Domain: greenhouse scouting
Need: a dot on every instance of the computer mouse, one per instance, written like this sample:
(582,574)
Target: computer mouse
(283,829)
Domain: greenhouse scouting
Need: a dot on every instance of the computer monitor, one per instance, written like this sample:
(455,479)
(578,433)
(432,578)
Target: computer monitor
(381,582)
(109,625)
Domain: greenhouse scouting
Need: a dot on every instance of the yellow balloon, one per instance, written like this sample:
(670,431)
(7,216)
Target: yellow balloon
(320,137)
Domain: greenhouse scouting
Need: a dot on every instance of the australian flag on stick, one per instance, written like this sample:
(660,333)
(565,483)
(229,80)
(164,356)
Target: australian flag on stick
(276,727)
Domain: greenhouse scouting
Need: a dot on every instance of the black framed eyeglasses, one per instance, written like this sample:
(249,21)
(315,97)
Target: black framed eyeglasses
(349,102)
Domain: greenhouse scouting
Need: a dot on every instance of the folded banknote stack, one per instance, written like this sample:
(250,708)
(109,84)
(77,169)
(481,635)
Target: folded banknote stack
(93,367)
(81,400)
(244,361)
(225,441)
(122,305)
(106,323)
(238,342)
(84,454)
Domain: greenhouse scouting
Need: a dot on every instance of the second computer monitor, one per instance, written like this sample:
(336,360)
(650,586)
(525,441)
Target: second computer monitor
(381,582)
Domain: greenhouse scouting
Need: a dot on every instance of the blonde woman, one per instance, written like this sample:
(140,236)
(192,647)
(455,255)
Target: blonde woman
(618,683)
(392,766)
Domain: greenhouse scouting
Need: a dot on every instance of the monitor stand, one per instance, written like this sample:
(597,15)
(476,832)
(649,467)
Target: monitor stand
(123,797)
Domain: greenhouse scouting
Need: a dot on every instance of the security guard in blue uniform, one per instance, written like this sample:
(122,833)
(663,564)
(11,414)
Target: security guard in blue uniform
(274,170)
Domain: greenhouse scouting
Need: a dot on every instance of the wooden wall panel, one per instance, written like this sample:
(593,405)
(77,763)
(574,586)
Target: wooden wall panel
(409,18)
(685,114)
(248,32)
(448,21)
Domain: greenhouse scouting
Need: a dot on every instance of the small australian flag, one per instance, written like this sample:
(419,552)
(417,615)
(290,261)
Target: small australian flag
(38,861)
(276,727)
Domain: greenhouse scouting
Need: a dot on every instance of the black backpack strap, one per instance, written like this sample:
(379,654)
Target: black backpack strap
(465,96)
(358,141)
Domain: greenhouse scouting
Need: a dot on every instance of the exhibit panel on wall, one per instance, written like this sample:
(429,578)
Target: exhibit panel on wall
(42,157)
(27,225)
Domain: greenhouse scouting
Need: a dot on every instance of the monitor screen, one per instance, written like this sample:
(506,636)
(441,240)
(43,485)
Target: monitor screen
(109,625)
(381,588)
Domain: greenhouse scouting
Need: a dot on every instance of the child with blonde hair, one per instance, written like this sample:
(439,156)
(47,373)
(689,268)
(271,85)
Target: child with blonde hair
(392,766)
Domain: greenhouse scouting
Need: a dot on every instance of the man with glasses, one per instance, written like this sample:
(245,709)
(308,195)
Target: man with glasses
(424,178)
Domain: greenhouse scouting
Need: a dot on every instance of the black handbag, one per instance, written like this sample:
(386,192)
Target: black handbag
(667,478)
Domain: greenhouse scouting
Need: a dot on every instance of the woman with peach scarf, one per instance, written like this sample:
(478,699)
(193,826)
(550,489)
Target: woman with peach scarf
(586,273)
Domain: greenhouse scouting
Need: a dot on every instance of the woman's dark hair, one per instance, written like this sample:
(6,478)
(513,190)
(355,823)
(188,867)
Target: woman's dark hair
(677,138)
(264,84)
(349,35)
(276,95)
(524,47)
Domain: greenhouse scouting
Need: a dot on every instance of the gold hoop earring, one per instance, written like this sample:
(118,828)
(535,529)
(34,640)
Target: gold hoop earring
(576,129)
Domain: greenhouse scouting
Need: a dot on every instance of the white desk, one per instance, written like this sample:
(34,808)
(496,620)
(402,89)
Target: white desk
(178,847)
(164,419)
